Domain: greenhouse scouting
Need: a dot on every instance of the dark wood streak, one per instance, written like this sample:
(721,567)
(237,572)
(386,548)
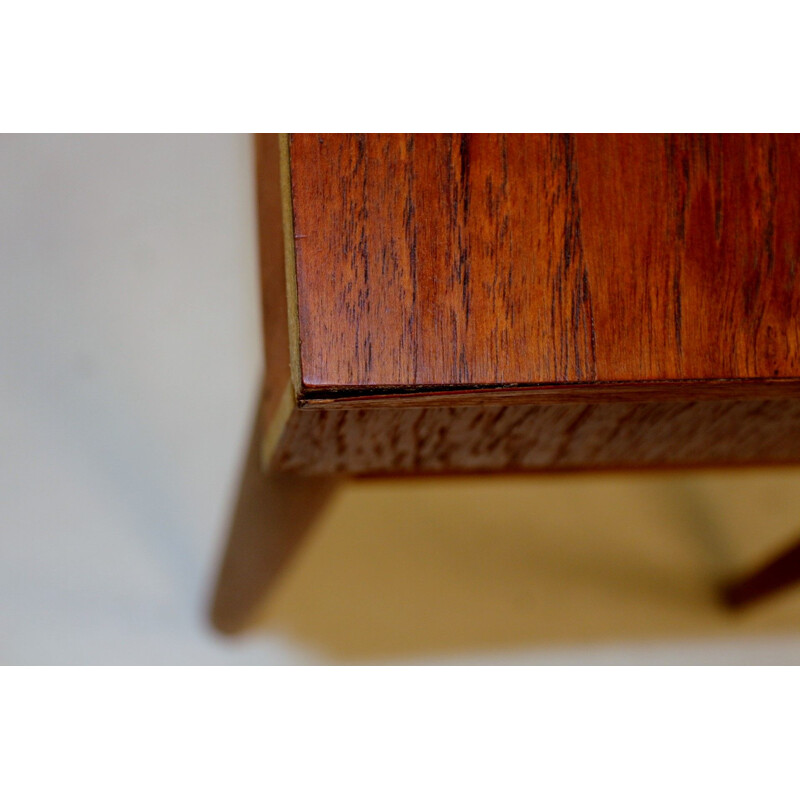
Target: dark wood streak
(515,394)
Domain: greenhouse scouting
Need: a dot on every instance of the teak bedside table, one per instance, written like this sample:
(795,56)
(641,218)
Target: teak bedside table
(474,303)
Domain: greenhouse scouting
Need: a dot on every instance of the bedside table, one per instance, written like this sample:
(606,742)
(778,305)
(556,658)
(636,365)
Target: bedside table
(438,304)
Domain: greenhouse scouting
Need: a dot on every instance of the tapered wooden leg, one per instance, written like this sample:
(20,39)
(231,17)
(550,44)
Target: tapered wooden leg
(780,573)
(273,512)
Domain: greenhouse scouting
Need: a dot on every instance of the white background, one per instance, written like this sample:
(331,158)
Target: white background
(130,356)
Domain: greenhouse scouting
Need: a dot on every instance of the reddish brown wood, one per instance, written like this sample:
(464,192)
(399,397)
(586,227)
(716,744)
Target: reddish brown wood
(539,302)
(494,302)
(539,437)
(499,261)
(269,521)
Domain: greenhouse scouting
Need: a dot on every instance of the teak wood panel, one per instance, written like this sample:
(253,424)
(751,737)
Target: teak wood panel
(458,261)
(540,437)
(750,415)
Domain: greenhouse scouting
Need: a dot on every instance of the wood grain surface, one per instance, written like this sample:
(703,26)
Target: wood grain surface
(490,302)
(493,261)
(540,437)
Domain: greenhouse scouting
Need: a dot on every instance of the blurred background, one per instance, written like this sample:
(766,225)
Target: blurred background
(130,363)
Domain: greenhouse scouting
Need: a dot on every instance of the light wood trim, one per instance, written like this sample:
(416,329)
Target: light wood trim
(290,263)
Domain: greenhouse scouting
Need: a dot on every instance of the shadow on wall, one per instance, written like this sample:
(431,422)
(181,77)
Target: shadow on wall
(403,569)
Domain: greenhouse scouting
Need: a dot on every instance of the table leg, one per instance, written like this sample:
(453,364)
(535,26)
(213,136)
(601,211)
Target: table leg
(779,573)
(273,512)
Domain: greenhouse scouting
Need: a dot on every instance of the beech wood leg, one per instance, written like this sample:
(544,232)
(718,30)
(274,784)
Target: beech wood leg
(777,574)
(273,512)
